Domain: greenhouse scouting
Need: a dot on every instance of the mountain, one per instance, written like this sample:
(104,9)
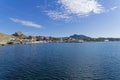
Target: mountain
(75,36)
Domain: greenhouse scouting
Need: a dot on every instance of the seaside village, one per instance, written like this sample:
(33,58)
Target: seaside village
(20,38)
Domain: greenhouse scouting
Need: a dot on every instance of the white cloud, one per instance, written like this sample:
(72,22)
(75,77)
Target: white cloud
(75,7)
(57,15)
(81,7)
(113,8)
(26,23)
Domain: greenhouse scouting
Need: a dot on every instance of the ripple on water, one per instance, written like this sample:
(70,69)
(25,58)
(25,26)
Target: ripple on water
(86,61)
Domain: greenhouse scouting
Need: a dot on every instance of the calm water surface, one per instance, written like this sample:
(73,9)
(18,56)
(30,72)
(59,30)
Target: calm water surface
(61,61)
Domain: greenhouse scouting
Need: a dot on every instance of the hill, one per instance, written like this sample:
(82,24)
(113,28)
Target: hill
(75,36)
(4,38)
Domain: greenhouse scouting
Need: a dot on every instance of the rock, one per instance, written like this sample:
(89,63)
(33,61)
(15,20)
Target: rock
(19,35)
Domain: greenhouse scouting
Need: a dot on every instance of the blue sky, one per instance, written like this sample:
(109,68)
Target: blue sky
(95,18)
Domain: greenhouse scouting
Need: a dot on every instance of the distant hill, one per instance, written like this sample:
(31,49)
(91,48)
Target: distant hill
(75,36)
(4,38)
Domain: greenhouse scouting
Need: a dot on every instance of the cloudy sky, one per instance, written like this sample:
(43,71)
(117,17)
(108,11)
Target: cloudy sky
(96,18)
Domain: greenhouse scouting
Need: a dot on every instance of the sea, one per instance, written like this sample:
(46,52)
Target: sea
(61,61)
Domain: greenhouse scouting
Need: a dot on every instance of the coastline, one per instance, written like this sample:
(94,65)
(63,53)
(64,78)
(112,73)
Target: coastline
(20,38)
(44,42)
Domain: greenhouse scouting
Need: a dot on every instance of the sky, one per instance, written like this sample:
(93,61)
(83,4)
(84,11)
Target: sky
(60,18)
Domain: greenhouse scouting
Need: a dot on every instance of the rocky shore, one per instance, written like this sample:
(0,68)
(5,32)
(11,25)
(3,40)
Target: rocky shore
(20,38)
